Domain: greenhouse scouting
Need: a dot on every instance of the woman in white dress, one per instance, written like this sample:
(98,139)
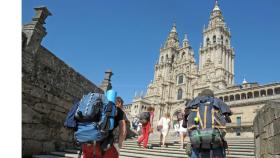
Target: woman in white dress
(182,130)
(164,124)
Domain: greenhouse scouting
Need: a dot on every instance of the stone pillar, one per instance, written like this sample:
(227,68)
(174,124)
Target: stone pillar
(34,31)
(106,83)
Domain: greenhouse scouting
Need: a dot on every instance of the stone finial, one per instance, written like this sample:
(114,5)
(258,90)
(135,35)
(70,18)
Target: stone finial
(35,31)
(42,13)
(106,83)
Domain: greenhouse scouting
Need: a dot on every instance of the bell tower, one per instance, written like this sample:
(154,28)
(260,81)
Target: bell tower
(216,56)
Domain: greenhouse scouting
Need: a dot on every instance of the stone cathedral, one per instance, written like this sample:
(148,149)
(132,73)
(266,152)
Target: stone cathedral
(178,78)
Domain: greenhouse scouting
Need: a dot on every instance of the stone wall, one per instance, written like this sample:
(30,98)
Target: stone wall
(267,131)
(49,87)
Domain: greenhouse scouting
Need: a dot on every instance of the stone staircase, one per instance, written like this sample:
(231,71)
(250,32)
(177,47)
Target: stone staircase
(239,147)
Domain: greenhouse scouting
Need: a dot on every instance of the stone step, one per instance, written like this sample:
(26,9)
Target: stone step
(46,156)
(142,154)
(238,148)
(171,149)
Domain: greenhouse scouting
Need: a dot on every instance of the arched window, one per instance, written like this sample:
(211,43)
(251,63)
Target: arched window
(226,98)
(263,93)
(231,98)
(179,94)
(183,54)
(214,39)
(226,41)
(243,96)
(222,39)
(237,97)
(277,90)
(250,95)
(180,79)
(172,59)
(256,94)
(269,92)
(207,41)
(166,57)
(221,98)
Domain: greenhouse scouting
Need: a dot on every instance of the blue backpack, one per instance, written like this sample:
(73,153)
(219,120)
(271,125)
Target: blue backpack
(95,118)
(70,121)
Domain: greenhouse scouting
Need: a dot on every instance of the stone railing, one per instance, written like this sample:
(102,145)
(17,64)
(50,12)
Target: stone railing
(267,131)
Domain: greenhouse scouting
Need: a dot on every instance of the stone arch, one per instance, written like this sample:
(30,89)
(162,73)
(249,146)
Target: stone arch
(225,98)
(214,39)
(250,95)
(270,92)
(166,57)
(277,90)
(172,58)
(263,93)
(243,96)
(237,96)
(207,41)
(231,98)
(256,94)
(222,39)
(183,55)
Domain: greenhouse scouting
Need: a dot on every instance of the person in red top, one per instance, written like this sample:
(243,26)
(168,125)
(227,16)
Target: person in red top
(146,130)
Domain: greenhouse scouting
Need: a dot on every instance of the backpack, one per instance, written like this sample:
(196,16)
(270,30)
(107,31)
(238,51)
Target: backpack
(70,121)
(206,125)
(144,118)
(95,118)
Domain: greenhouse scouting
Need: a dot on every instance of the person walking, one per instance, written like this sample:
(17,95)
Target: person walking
(182,130)
(146,129)
(206,122)
(164,124)
(114,140)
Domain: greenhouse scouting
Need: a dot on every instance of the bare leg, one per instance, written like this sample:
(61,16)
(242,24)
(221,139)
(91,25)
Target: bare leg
(163,141)
(160,143)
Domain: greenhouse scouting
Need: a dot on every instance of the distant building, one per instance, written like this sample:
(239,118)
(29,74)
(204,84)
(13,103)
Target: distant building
(178,78)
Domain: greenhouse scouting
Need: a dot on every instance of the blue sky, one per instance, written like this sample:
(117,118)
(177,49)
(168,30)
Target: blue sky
(92,36)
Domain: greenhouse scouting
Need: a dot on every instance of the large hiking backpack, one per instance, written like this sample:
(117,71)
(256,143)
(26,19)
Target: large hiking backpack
(144,117)
(95,118)
(206,125)
(70,121)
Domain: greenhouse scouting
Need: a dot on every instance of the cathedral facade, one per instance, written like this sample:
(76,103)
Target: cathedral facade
(178,78)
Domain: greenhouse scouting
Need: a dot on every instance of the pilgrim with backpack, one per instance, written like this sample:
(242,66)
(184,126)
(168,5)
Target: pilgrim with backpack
(92,119)
(206,118)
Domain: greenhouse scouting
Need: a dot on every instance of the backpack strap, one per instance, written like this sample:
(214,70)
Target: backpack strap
(199,118)
(205,117)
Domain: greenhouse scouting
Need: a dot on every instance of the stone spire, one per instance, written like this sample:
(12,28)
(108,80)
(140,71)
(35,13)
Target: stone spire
(186,41)
(216,7)
(172,39)
(216,17)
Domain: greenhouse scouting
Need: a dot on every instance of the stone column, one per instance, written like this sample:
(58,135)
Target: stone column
(227,61)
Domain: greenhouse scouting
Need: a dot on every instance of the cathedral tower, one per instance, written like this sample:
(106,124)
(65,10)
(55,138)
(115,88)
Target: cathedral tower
(216,56)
